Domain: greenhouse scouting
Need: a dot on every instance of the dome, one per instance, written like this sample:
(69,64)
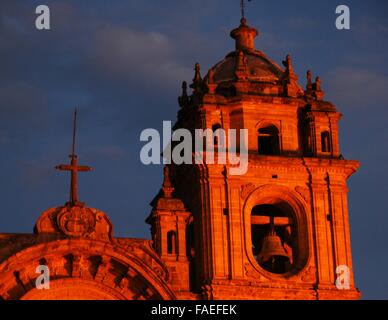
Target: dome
(247,70)
(259,68)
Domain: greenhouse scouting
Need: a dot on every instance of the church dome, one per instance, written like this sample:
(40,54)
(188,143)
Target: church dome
(247,70)
(259,68)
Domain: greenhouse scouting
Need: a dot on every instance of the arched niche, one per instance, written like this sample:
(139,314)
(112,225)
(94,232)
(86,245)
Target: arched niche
(291,211)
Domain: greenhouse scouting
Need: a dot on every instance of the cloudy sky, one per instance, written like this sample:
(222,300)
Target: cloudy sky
(122,62)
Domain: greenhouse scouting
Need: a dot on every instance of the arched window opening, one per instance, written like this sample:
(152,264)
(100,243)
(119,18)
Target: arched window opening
(171,242)
(325,141)
(274,238)
(268,140)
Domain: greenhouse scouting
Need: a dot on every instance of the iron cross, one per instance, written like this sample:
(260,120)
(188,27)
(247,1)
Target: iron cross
(74,168)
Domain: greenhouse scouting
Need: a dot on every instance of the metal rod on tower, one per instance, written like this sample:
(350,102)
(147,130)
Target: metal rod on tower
(74,131)
(243,5)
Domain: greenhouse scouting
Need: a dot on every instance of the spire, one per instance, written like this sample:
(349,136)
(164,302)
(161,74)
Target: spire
(167,185)
(309,85)
(290,79)
(74,168)
(197,84)
(184,98)
(289,73)
(197,80)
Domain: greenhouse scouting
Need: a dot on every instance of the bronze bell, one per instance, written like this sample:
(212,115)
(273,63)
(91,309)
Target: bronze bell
(272,247)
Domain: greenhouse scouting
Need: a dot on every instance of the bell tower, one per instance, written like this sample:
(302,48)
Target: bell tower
(281,230)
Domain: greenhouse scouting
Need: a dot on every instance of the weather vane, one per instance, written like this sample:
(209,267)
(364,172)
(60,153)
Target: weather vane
(243,5)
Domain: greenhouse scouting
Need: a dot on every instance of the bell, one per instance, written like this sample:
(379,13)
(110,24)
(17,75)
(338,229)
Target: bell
(272,247)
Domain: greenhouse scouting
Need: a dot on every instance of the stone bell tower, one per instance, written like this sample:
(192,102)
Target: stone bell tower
(280,231)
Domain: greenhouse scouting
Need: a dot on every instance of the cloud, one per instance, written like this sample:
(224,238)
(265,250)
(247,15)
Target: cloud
(139,57)
(357,87)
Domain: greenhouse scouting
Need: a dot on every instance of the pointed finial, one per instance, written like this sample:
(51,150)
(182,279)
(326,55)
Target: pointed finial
(318,83)
(309,85)
(318,93)
(197,80)
(288,64)
(211,84)
(184,89)
(183,99)
(167,185)
(197,74)
(291,88)
(210,76)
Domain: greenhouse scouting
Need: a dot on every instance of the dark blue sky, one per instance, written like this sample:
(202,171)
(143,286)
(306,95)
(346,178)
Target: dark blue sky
(122,63)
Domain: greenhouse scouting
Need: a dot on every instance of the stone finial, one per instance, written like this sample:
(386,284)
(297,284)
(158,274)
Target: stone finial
(210,76)
(291,88)
(184,89)
(197,80)
(167,185)
(309,85)
(241,71)
(197,75)
(313,90)
(184,98)
(211,85)
(288,64)
(318,93)
(318,83)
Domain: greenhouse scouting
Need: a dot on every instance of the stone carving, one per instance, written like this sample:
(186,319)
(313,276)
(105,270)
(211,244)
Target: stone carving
(81,267)
(75,222)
